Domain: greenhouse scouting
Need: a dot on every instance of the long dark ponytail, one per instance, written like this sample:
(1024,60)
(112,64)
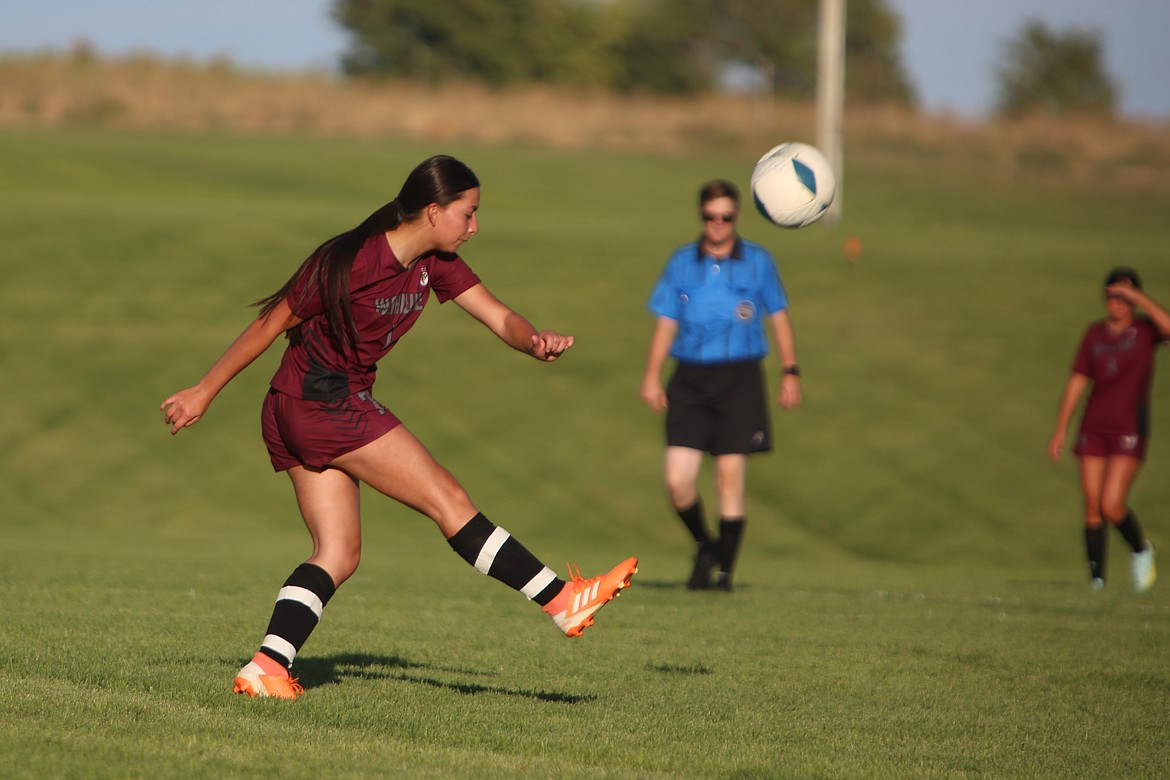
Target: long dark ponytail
(439,179)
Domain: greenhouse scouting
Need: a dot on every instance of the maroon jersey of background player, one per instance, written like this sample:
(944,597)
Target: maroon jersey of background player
(1121,366)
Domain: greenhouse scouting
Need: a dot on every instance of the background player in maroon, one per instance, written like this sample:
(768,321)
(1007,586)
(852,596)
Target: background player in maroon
(1116,357)
(349,304)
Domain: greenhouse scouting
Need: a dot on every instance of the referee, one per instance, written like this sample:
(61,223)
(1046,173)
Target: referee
(711,304)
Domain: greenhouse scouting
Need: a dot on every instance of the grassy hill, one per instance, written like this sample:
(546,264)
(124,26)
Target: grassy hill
(78,89)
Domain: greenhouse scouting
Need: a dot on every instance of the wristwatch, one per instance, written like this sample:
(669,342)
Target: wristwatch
(793,370)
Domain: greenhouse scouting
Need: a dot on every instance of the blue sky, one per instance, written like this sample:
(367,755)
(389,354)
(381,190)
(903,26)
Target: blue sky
(950,47)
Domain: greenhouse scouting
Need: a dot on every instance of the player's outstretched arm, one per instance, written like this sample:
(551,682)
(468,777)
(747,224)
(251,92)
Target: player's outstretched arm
(511,327)
(187,407)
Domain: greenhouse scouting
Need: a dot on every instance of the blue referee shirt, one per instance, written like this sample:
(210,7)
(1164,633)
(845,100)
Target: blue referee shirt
(720,305)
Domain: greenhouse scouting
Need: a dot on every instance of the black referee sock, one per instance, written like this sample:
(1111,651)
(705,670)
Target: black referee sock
(1132,531)
(493,551)
(1095,551)
(730,535)
(297,612)
(692,518)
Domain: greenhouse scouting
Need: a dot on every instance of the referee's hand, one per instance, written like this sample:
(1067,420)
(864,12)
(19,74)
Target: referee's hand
(653,394)
(790,395)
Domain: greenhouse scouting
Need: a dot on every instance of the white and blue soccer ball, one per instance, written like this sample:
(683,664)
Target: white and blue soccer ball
(793,185)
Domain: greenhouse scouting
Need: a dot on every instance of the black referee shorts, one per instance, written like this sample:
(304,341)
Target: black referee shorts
(721,409)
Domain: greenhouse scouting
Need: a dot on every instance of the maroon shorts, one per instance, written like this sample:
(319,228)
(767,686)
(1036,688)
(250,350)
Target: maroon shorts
(1104,445)
(313,433)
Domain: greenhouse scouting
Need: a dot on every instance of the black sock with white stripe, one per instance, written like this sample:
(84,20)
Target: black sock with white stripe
(297,612)
(493,551)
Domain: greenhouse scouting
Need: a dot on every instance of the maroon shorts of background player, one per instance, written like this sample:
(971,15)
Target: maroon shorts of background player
(313,433)
(1104,445)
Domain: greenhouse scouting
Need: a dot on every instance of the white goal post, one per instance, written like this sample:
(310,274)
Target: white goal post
(831,94)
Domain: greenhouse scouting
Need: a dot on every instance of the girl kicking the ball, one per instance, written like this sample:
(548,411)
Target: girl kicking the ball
(712,302)
(1116,356)
(351,302)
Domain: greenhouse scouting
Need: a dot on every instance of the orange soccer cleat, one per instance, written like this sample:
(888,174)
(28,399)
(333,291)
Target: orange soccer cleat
(574,607)
(252,680)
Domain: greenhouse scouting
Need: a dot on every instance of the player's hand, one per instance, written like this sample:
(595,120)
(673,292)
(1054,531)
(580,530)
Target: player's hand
(1056,445)
(653,394)
(185,408)
(1123,290)
(549,345)
(790,395)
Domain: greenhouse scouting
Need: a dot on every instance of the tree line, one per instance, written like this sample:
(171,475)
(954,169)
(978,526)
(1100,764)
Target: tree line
(657,46)
(680,47)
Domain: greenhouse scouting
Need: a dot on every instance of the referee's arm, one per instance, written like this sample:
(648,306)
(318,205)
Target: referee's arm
(790,393)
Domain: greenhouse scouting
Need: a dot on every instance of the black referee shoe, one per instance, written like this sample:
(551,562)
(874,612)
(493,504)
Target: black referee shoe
(705,562)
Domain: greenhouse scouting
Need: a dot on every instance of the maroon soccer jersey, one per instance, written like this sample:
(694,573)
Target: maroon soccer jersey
(386,299)
(1121,366)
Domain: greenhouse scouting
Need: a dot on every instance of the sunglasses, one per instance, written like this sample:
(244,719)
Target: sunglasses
(718,217)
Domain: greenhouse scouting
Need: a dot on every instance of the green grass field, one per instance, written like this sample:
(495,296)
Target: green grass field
(911,601)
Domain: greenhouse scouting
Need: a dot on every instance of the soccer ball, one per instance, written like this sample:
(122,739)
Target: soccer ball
(793,185)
